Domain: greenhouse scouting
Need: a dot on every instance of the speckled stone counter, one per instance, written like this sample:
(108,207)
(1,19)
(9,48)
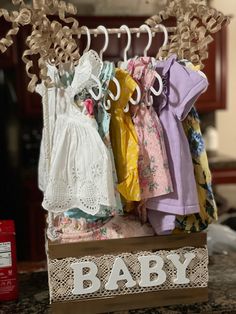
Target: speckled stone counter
(222,293)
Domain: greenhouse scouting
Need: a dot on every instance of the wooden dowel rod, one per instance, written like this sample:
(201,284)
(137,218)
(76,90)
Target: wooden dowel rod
(96,32)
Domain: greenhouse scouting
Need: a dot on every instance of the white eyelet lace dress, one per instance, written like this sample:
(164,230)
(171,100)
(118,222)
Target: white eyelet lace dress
(80,172)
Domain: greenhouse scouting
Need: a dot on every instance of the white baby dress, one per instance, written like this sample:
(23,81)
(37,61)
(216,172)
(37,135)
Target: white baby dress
(80,171)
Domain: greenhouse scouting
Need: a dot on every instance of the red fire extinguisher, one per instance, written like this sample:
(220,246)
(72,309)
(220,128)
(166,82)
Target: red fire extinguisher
(8,266)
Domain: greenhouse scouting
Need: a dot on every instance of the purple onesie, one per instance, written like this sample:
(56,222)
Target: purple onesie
(182,87)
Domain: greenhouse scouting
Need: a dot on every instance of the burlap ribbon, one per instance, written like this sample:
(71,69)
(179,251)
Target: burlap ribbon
(55,42)
(49,41)
(195,24)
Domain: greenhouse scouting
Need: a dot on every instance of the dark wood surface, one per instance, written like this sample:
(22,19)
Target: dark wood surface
(223,169)
(79,249)
(131,302)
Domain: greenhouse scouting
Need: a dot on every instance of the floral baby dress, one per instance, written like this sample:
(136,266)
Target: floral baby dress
(153,169)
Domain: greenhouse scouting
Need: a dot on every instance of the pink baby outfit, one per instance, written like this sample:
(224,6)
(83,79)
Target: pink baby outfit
(117,227)
(153,169)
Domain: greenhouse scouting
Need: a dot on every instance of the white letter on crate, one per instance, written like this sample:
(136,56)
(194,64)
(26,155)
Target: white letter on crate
(146,271)
(181,267)
(80,277)
(119,272)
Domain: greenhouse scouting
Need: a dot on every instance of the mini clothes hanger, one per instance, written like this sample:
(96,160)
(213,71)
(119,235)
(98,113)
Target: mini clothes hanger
(158,77)
(104,30)
(91,92)
(148,30)
(107,106)
(85,28)
(126,28)
(123,64)
(93,77)
(166,37)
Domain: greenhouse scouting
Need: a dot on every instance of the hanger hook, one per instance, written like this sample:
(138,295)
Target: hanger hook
(85,28)
(104,30)
(126,28)
(147,28)
(163,28)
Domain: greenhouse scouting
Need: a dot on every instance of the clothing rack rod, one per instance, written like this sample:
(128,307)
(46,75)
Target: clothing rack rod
(96,32)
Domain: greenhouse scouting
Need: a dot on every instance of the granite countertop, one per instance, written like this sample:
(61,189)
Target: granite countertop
(222,293)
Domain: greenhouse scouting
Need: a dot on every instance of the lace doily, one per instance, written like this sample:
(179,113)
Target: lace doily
(61,277)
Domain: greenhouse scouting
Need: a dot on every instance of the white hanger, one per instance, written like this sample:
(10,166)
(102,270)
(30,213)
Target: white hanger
(99,96)
(158,77)
(88,38)
(126,28)
(166,37)
(113,97)
(138,91)
(147,28)
(117,96)
(104,30)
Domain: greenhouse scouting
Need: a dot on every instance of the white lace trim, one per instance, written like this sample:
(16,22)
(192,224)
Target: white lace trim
(80,173)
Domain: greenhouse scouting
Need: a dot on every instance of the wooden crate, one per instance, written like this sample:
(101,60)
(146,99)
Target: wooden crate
(63,279)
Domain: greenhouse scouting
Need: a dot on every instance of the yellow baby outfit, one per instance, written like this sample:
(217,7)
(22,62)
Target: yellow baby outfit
(124,139)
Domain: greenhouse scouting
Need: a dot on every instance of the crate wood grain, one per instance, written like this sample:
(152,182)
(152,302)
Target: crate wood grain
(79,249)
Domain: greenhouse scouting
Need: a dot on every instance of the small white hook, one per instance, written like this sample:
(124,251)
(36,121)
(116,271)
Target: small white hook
(152,89)
(104,30)
(126,28)
(85,28)
(99,96)
(113,97)
(147,28)
(134,101)
(163,28)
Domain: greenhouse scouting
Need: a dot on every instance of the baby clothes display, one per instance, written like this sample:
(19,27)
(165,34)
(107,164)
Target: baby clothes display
(98,151)
(153,169)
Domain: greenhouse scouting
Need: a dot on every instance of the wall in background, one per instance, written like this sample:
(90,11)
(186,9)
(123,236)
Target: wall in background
(109,7)
(226,120)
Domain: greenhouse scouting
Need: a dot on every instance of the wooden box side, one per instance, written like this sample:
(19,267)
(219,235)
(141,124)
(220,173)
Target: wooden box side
(80,249)
(130,302)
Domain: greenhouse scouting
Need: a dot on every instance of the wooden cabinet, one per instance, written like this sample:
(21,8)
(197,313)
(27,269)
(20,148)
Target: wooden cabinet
(216,71)
(9,58)
(30,102)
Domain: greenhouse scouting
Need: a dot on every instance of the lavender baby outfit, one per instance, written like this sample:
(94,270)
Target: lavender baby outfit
(182,87)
